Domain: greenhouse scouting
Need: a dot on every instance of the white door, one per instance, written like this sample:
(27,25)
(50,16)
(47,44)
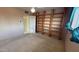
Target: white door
(32,24)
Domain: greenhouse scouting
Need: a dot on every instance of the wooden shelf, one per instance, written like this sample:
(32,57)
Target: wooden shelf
(50,18)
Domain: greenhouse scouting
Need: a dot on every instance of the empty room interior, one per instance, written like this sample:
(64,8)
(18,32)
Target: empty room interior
(39,29)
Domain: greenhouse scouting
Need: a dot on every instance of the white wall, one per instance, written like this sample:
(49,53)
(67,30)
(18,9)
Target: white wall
(11,24)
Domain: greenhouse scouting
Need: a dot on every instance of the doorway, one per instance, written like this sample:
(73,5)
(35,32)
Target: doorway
(29,24)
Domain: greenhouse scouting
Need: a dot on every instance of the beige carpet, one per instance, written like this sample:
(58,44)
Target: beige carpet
(32,43)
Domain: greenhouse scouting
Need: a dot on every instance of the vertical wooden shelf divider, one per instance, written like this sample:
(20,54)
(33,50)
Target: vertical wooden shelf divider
(43,19)
(51,18)
(37,15)
(61,26)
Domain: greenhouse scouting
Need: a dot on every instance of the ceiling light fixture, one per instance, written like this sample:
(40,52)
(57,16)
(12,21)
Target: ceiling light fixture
(32,10)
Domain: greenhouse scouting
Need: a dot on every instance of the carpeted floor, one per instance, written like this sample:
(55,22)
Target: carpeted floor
(32,43)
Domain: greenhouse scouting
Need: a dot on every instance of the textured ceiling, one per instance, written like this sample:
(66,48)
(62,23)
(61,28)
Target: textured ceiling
(39,8)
